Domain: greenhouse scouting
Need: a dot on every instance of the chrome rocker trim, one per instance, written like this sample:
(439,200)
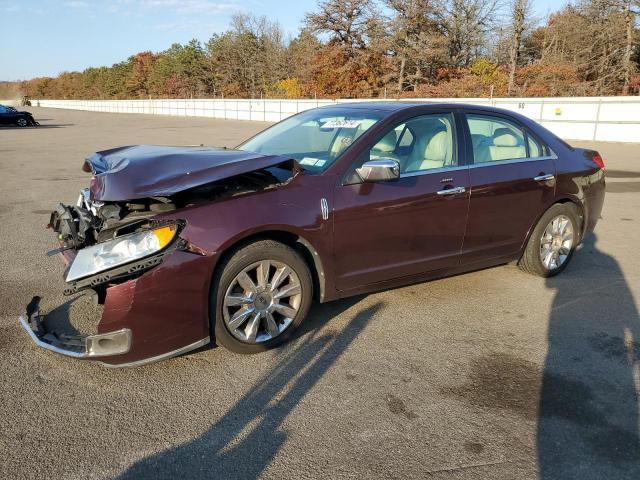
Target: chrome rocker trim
(164,356)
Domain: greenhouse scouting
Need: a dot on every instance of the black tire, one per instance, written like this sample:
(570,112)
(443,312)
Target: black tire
(530,261)
(22,122)
(232,267)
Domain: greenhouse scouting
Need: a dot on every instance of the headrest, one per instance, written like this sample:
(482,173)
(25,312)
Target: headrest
(387,143)
(438,147)
(503,137)
(428,124)
(477,140)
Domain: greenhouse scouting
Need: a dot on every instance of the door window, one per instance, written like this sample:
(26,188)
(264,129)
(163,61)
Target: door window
(3,109)
(495,139)
(420,144)
(536,149)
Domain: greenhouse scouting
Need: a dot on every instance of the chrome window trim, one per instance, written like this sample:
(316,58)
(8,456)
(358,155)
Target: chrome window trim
(419,173)
(514,160)
(477,165)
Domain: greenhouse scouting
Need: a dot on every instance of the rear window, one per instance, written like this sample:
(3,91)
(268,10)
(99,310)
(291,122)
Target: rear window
(495,139)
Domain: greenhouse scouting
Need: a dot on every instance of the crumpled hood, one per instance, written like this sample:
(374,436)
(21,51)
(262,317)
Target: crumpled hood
(140,171)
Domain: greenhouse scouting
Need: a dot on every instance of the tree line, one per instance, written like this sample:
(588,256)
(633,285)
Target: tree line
(384,48)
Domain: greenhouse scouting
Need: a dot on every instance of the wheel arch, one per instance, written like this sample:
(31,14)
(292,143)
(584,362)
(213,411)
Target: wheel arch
(580,209)
(300,244)
(558,201)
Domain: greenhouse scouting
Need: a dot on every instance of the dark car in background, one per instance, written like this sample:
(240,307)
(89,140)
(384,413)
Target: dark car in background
(186,245)
(11,116)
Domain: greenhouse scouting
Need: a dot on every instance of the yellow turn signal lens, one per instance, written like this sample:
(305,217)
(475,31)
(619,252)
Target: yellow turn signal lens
(164,235)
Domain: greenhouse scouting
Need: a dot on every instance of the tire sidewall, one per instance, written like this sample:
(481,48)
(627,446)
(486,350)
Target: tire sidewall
(571,213)
(232,267)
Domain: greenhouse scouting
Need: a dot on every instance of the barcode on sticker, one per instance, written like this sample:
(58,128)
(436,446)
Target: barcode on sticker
(342,124)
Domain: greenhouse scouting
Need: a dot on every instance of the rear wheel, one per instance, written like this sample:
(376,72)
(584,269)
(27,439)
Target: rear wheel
(262,293)
(22,122)
(552,242)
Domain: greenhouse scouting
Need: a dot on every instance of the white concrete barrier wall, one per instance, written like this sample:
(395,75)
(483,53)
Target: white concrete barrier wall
(611,119)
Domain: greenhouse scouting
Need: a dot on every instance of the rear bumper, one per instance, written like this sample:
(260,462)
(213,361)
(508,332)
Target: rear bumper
(594,202)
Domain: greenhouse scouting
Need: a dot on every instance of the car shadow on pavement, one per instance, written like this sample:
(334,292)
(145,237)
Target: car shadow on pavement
(76,316)
(588,411)
(245,440)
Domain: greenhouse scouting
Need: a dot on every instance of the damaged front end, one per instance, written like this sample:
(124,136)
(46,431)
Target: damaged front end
(109,241)
(77,346)
(130,257)
(103,244)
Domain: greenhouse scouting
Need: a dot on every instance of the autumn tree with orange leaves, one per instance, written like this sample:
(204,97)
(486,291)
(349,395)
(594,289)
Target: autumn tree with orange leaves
(378,48)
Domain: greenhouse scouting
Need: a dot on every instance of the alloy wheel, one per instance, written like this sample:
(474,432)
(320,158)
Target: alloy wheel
(262,301)
(22,122)
(556,242)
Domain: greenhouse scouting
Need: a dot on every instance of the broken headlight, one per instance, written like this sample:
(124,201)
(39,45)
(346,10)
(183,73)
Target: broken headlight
(121,250)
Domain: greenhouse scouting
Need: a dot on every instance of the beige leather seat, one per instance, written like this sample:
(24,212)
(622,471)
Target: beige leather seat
(385,147)
(433,148)
(481,144)
(506,146)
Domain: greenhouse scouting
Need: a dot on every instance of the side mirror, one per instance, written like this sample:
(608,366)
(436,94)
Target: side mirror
(381,170)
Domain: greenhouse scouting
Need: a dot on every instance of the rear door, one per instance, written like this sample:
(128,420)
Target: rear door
(512,180)
(411,225)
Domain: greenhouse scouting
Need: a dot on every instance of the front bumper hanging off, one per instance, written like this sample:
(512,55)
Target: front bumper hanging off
(76,346)
(154,314)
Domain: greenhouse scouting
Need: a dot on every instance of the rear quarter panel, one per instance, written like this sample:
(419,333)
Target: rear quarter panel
(578,179)
(581,181)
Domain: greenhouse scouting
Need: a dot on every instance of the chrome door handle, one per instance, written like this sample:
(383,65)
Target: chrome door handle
(544,178)
(451,191)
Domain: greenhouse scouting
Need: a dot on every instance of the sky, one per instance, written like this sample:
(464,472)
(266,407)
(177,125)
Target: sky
(46,37)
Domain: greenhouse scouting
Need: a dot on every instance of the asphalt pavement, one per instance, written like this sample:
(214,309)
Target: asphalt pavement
(494,374)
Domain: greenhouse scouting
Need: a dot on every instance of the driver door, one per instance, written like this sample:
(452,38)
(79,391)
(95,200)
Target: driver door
(411,225)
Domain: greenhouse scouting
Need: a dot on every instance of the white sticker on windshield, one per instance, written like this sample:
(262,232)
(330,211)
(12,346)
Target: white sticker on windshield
(308,161)
(342,124)
(320,163)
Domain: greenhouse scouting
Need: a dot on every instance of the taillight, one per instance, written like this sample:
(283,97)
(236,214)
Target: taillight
(597,159)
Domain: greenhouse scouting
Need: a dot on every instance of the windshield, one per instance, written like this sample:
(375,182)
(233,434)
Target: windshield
(315,138)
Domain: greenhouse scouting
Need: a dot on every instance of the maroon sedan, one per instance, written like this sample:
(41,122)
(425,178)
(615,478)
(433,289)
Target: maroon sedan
(182,245)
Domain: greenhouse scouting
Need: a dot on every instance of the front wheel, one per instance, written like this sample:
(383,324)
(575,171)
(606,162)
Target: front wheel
(22,122)
(552,242)
(260,295)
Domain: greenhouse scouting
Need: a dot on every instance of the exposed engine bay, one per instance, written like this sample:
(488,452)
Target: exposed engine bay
(90,221)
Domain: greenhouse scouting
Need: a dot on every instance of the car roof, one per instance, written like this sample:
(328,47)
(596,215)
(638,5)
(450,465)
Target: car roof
(396,105)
